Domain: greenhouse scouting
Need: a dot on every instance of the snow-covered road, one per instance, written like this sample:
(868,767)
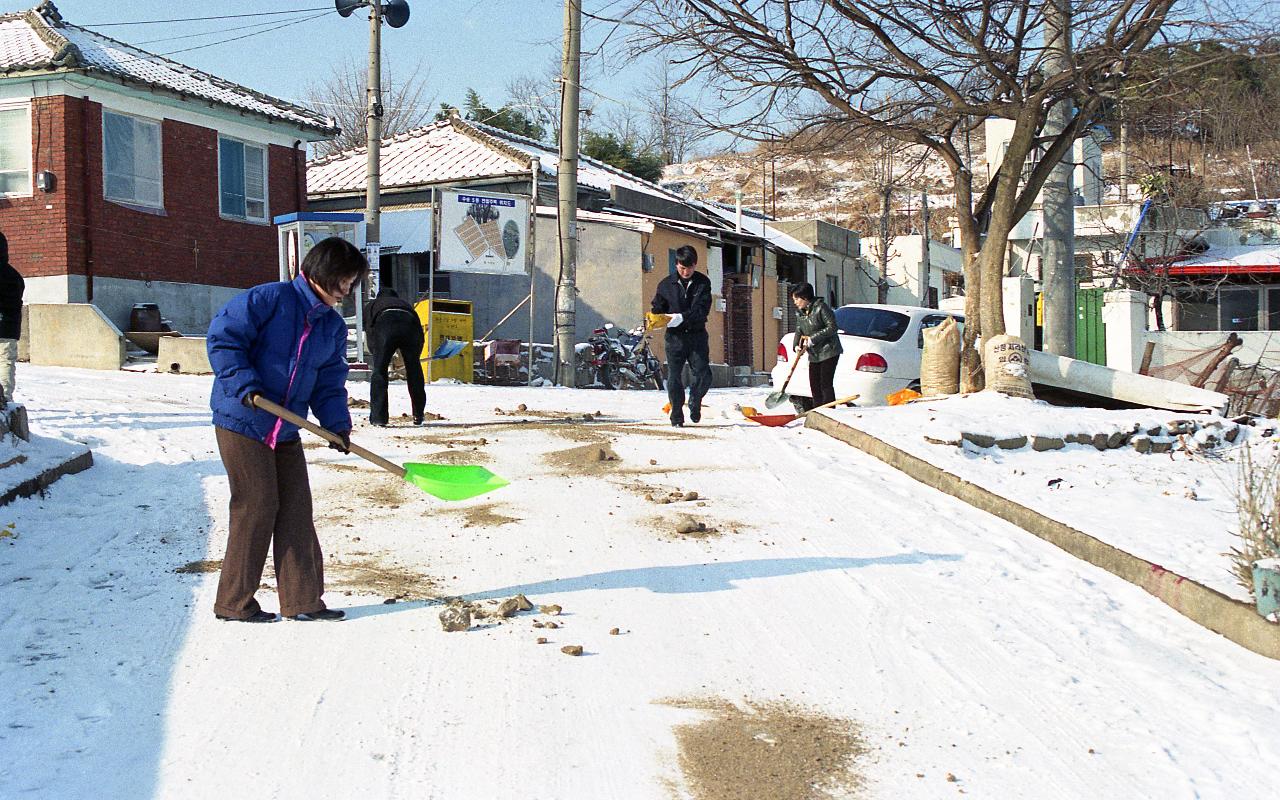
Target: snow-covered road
(958,645)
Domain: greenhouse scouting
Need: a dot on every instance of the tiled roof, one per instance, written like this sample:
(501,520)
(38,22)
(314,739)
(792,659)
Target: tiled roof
(457,149)
(39,40)
(437,153)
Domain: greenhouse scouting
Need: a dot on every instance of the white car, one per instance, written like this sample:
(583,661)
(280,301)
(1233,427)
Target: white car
(882,347)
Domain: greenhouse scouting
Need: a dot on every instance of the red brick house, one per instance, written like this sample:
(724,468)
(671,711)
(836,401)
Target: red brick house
(126,177)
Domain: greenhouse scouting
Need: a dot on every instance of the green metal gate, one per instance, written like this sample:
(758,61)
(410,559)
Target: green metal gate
(1091,333)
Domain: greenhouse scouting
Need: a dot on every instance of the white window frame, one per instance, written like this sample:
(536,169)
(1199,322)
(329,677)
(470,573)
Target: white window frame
(134,201)
(30,189)
(266,182)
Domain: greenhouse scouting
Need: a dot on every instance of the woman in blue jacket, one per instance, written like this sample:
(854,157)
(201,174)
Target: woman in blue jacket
(286,342)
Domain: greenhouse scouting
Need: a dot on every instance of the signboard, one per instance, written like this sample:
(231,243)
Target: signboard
(484,232)
(373,253)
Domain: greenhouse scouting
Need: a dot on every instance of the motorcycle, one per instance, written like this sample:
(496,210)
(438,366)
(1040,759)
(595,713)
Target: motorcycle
(620,359)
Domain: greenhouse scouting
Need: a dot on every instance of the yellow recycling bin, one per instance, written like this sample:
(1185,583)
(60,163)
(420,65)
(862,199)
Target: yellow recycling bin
(450,337)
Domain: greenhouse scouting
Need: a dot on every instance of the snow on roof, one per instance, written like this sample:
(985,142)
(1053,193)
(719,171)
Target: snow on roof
(1242,258)
(631,223)
(759,228)
(39,40)
(437,153)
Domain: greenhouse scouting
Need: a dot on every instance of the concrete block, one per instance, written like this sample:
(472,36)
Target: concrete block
(74,335)
(24,340)
(721,376)
(185,354)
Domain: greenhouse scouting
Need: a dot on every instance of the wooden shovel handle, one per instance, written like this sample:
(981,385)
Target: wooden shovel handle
(795,353)
(329,436)
(841,401)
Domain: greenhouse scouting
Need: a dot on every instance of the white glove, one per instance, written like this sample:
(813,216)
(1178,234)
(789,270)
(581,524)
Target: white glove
(675,320)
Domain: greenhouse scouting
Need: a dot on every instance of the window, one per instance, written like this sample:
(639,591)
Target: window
(242,180)
(833,290)
(1238,310)
(131,160)
(15,150)
(872,323)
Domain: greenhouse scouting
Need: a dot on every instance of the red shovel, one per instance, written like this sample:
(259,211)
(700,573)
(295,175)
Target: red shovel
(778,420)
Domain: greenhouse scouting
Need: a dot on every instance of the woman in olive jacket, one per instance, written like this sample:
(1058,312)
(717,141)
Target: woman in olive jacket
(816,332)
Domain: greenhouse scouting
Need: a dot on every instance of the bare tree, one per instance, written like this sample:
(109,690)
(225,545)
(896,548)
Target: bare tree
(922,72)
(406,102)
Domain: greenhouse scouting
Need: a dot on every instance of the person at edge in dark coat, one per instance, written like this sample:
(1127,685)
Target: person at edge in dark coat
(11,288)
(284,342)
(817,334)
(686,296)
(393,325)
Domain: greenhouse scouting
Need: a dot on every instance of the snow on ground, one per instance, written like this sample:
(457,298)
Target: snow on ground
(1175,509)
(958,645)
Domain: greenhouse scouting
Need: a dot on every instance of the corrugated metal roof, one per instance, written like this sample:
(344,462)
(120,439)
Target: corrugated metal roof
(40,40)
(438,153)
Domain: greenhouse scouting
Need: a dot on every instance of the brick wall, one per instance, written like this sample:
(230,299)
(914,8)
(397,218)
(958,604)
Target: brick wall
(36,226)
(189,243)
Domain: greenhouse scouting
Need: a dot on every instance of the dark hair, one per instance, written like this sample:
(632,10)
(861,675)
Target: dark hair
(804,291)
(686,256)
(333,260)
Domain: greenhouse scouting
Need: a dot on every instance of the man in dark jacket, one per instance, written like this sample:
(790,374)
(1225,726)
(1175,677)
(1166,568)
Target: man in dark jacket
(393,325)
(686,296)
(11,289)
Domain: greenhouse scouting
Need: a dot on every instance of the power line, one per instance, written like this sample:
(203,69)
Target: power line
(204,19)
(205,33)
(247,35)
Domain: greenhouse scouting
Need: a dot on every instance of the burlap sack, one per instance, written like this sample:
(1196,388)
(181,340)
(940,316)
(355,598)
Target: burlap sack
(940,363)
(1005,362)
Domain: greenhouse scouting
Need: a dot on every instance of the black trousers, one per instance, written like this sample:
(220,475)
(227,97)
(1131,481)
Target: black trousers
(822,375)
(691,349)
(395,329)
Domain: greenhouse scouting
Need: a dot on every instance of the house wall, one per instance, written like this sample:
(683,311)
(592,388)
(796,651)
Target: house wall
(838,254)
(1173,346)
(608,282)
(76,246)
(906,269)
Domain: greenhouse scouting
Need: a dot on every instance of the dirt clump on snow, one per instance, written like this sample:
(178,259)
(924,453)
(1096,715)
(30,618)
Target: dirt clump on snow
(471,456)
(368,575)
(197,567)
(484,516)
(356,402)
(589,459)
(767,750)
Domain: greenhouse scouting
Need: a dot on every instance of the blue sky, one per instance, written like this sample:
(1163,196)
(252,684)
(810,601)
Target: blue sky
(463,43)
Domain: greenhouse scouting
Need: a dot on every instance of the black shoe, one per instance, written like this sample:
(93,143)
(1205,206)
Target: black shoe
(677,423)
(258,616)
(695,412)
(378,424)
(323,615)
(417,420)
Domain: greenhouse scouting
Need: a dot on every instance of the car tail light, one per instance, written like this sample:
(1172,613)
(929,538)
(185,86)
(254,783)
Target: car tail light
(871,362)
(782,352)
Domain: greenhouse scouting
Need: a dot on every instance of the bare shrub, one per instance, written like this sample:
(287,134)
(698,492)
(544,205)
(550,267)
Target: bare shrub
(1258,512)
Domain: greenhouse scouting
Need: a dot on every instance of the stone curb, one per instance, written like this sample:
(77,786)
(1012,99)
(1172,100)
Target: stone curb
(1236,620)
(77,463)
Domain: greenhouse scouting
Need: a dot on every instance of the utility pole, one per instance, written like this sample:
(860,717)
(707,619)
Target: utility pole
(1058,200)
(373,129)
(567,187)
(925,262)
(1124,154)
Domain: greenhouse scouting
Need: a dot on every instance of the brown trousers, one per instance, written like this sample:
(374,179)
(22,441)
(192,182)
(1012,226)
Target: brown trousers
(270,499)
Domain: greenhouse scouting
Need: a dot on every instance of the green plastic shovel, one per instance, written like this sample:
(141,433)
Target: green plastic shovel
(445,481)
